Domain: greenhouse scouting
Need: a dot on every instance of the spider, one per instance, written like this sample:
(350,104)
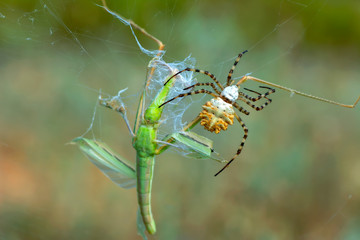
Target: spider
(218,113)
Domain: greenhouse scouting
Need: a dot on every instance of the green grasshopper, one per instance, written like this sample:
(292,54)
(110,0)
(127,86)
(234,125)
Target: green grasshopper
(145,142)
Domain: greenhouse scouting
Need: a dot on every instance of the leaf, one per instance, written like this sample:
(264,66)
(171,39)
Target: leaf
(114,167)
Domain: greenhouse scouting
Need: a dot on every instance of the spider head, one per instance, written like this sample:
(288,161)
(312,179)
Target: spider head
(231,93)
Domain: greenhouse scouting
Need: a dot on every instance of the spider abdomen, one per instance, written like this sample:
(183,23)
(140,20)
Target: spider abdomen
(217,115)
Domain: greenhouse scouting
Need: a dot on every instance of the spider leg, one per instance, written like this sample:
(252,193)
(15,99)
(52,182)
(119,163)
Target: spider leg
(228,82)
(199,71)
(241,144)
(271,90)
(256,107)
(204,84)
(268,100)
(190,93)
(241,109)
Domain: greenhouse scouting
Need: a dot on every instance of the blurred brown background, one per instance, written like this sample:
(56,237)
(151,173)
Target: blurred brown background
(297,178)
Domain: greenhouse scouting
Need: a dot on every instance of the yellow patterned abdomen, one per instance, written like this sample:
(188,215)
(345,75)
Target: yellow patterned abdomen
(217,115)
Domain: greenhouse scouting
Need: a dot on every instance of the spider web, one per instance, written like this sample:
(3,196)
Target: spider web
(37,29)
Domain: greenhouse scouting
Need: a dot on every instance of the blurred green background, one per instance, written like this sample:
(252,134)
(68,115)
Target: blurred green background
(297,178)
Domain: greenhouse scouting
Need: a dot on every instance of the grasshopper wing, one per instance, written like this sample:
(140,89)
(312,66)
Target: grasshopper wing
(114,167)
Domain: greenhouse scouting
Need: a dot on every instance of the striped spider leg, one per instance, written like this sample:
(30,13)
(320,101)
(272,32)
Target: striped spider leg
(218,113)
